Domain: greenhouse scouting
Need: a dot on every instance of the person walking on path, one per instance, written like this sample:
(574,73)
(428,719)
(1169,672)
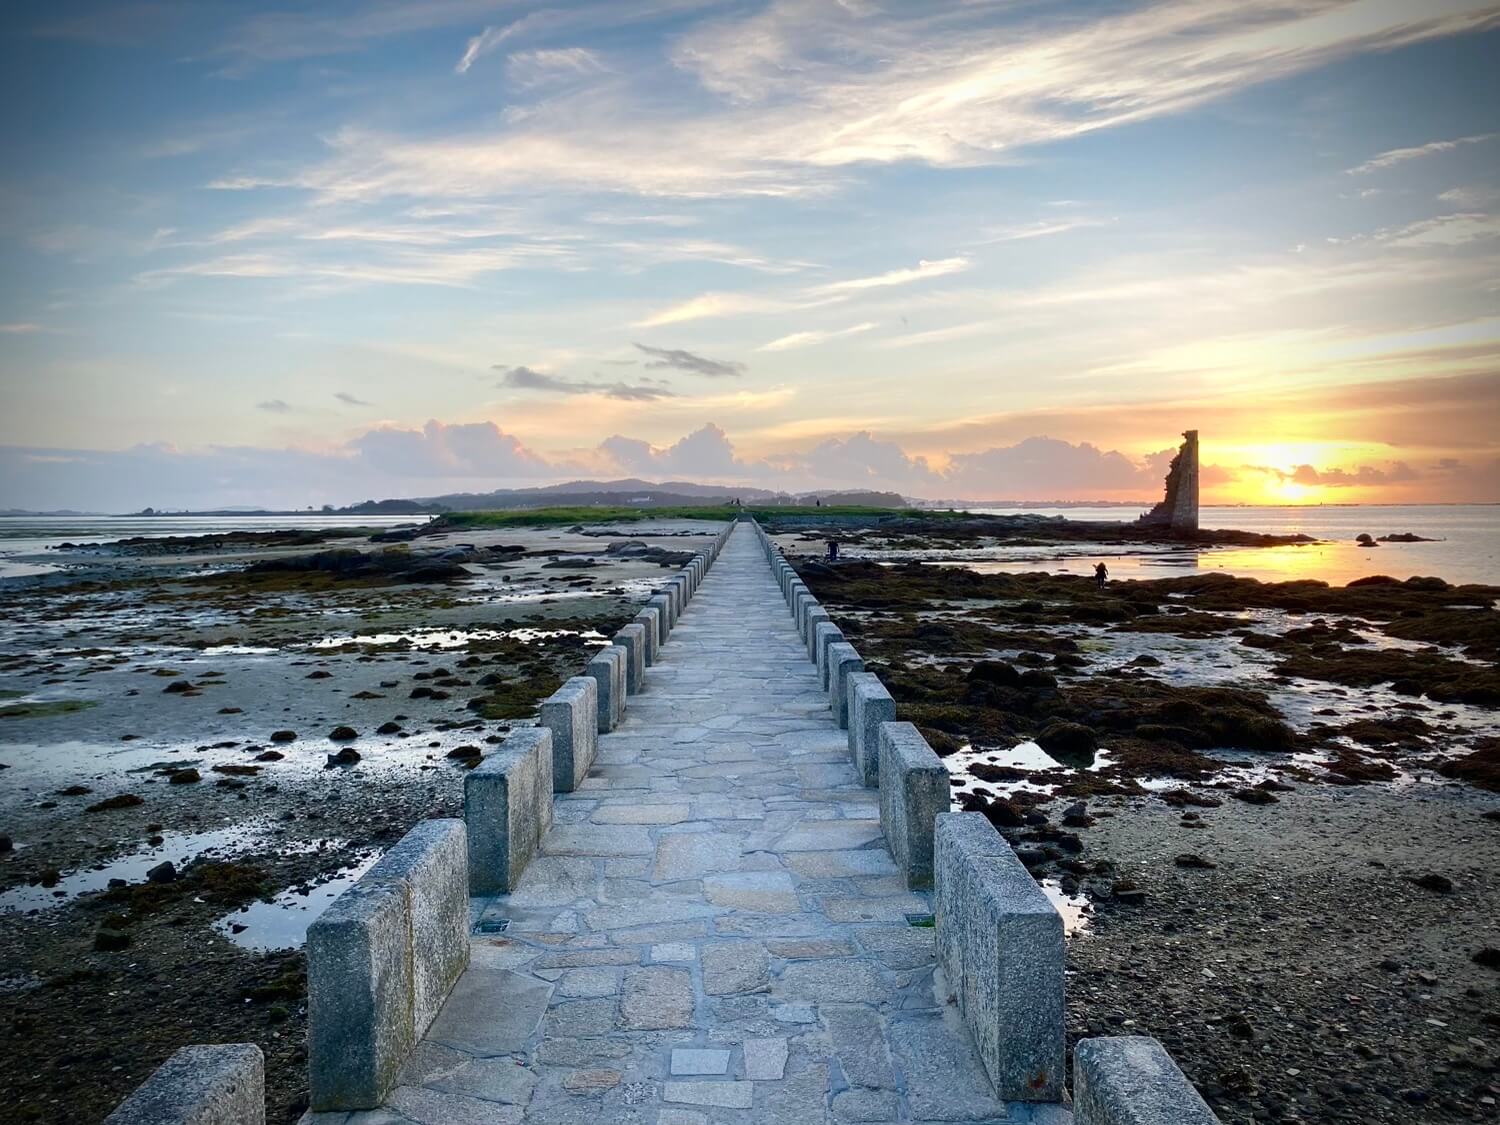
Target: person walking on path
(1101,574)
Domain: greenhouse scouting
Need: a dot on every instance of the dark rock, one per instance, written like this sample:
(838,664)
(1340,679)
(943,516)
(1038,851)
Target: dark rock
(319,675)
(1432,881)
(162,873)
(283,736)
(1188,859)
(121,801)
(343,734)
(466,753)
(995,672)
(178,687)
(1255,796)
(345,757)
(1071,743)
(270,756)
(1365,539)
(1127,892)
(1489,957)
(6,845)
(388,728)
(74,791)
(111,941)
(184,777)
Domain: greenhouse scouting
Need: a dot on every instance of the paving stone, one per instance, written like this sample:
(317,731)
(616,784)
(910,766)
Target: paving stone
(430,1107)
(628,813)
(699,1060)
(567,1051)
(842,864)
(691,855)
(674,951)
(765,892)
(794,949)
(799,1099)
(944,1081)
(765,1059)
(491,1013)
(734,967)
(591,1081)
(726,1095)
(582,1018)
(589,983)
(656,997)
(900,946)
(866,1105)
(829,835)
(859,1042)
(832,981)
(598,839)
(681,1117)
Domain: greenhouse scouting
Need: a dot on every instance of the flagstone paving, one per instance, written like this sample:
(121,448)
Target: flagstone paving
(713,930)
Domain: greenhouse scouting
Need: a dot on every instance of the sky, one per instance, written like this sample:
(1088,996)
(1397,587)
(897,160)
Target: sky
(298,254)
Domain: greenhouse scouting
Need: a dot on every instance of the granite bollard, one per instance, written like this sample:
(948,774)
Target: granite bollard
(508,809)
(369,996)
(914,790)
(359,997)
(1000,942)
(204,1084)
(1131,1080)
(662,603)
(869,706)
(842,659)
(651,619)
(571,713)
(632,638)
(608,670)
(825,635)
(811,615)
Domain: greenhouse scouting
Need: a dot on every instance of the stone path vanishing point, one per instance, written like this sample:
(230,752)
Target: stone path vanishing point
(713,930)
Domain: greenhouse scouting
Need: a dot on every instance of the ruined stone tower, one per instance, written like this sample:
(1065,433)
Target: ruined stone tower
(1179,510)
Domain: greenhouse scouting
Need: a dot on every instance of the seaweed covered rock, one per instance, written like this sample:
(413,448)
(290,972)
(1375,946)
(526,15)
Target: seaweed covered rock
(393,564)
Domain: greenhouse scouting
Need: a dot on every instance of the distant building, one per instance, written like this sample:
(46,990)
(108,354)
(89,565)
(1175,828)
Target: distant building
(1179,510)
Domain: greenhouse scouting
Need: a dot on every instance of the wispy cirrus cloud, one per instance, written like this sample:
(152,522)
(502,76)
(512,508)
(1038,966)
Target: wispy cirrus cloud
(815,336)
(1392,157)
(806,94)
(922,271)
(348,399)
(274,406)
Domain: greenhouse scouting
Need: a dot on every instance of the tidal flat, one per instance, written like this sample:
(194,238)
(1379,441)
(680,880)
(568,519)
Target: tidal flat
(1269,812)
(203,739)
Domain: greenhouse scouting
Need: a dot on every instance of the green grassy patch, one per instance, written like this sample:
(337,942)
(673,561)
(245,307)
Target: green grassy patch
(554,517)
(45,709)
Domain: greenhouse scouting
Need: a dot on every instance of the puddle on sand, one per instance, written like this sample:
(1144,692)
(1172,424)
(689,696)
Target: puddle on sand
(450,638)
(1076,911)
(282,923)
(177,847)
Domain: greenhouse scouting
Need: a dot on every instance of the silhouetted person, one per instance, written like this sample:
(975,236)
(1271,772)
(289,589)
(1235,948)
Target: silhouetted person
(833,550)
(1101,575)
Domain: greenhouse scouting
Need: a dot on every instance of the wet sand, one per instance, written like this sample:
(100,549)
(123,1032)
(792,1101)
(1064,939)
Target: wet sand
(157,683)
(1244,810)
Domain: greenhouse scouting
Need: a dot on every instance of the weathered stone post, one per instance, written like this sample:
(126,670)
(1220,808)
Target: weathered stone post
(508,809)
(608,670)
(1000,942)
(218,1084)
(571,713)
(869,706)
(1131,1080)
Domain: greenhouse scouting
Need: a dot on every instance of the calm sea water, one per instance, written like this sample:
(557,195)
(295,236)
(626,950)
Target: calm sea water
(25,540)
(1467,547)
